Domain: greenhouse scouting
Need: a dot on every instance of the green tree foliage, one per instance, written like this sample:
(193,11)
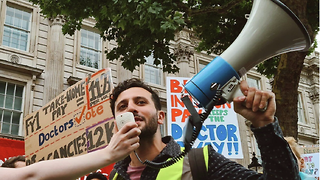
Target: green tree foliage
(142,27)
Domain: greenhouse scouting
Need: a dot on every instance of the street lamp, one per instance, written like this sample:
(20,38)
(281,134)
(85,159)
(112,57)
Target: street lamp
(254,164)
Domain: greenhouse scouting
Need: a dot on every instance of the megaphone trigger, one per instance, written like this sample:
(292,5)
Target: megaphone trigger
(231,89)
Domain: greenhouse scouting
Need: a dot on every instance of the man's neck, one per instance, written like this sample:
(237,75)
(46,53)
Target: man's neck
(148,150)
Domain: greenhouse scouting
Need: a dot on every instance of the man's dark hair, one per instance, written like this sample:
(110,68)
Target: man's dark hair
(10,162)
(130,83)
(96,175)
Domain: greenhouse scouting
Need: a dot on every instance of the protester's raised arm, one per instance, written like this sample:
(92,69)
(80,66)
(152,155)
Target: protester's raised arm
(121,144)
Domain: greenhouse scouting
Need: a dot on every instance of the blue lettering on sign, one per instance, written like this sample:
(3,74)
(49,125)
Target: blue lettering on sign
(176,131)
(232,132)
(221,132)
(201,137)
(211,133)
(55,132)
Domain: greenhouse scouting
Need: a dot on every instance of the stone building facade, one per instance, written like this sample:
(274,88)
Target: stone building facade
(38,62)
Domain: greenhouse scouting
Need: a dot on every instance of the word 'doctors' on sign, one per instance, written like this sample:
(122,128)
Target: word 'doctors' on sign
(77,121)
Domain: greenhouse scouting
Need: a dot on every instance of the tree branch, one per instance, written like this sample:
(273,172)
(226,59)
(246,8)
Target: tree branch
(217,9)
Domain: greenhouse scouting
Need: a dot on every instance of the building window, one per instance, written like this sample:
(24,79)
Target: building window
(301,116)
(202,65)
(17,27)
(11,108)
(253,82)
(90,51)
(152,73)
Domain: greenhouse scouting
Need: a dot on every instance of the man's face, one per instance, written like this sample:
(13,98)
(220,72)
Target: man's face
(139,101)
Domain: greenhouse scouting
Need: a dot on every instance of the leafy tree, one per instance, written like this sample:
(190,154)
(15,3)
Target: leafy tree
(143,27)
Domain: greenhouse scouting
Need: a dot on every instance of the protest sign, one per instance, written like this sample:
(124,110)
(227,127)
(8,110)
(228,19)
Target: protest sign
(220,129)
(77,121)
(311,162)
(310,154)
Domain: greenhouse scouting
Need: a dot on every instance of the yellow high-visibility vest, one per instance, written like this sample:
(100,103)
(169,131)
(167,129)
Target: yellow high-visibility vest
(179,170)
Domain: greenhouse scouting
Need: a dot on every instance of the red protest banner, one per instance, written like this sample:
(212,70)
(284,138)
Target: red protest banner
(10,148)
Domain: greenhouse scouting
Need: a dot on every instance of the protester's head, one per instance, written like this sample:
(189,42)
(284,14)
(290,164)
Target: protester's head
(135,96)
(15,162)
(96,176)
(294,146)
(130,83)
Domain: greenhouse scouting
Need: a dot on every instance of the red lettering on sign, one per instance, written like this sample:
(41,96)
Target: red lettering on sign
(79,119)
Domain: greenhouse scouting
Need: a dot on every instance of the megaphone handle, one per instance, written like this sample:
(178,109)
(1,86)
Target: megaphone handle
(237,92)
(231,90)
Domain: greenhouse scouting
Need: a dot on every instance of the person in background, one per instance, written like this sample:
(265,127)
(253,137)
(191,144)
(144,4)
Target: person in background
(96,176)
(135,96)
(121,144)
(294,146)
(15,162)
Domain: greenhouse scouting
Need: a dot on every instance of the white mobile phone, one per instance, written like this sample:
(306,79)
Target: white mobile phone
(124,118)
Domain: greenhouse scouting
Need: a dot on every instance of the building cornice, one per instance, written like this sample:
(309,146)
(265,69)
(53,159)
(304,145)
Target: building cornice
(32,71)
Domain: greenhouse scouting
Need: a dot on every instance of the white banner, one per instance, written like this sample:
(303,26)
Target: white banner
(220,129)
(311,162)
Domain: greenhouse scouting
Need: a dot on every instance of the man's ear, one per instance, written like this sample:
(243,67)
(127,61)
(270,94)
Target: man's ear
(302,165)
(161,117)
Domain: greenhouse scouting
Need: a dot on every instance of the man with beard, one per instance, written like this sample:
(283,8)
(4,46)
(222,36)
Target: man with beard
(134,96)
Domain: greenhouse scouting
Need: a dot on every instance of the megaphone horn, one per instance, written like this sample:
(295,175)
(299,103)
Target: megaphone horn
(272,29)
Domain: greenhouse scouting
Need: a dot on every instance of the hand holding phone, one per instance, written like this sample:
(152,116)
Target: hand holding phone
(124,118)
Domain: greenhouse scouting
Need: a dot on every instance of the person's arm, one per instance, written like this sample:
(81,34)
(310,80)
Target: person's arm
(278,161)
(121,145)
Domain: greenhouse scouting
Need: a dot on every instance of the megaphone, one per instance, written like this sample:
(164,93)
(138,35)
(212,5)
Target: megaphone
(272,29)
